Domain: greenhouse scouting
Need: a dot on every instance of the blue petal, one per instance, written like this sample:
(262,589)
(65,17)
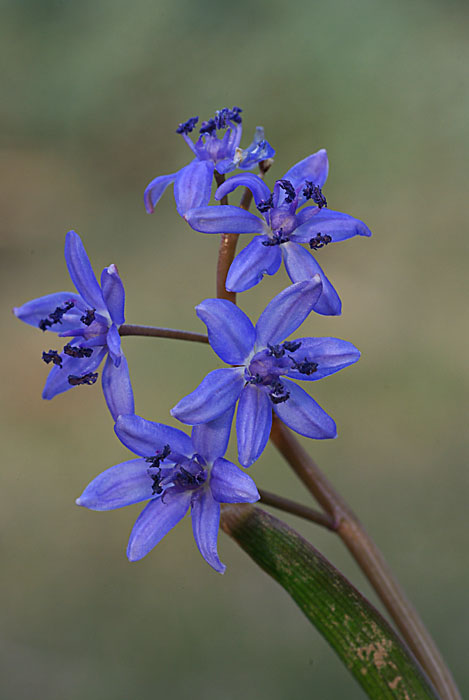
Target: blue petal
(113,293)
(81,272)
(117,388)
(314,168)
(113,341)
(231,485)
(230,332)
(254,183)
(258,150)
(301,265)
(57,381)
(303,415)
(38,309)
(193,185)
(252,263)
(145,438)
(331,223)
(287,311)
(205,516)
(155,189)
(211,439)
(155,521)
(330,354)
(224,219)
(118,486)
(213,397)
(253,423)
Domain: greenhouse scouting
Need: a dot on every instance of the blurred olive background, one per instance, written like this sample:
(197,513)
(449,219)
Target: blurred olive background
(92,93)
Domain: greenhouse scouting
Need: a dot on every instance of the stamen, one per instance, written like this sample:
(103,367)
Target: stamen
(278,239)
(88,378)
(276,351)
(159,456)
(278,394)
(156,478)
(188,126)
(77,352)
(52,356)
(254,379)
(88,317)
(314,192)
(289,190)
(319,241)
(221,120)
(185,478)
(305,367)
(56,316)
(265,204)
(292,345)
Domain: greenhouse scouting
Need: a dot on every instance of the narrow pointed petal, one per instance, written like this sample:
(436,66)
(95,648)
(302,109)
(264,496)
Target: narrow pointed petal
(230,332)
(303,415)
(155,521)
(113,293)
(253,182)
(81,272)
(211,439)
(213,397)
(118,486)
(193,185)
(38,309)
(302,265)
(205,516)
(287,311)
(253,424)
(330,354)
(331,223)
(117,388)
(224,219)
(155,189)
(229,484)
(145,438)
(113,341)
(57,381)
(314,168)
(252,263)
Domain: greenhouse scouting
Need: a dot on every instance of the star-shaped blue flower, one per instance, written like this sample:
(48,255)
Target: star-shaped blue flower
(260,358)
(193,183)
(91,319)
(174,473)
(282,228)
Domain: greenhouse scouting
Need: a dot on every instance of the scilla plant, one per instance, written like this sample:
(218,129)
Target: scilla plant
(268,365)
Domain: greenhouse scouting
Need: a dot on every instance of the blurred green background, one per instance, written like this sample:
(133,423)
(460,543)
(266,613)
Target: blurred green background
(92,93)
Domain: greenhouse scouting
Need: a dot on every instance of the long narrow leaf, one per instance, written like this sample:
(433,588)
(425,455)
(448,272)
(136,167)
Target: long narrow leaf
(361,637)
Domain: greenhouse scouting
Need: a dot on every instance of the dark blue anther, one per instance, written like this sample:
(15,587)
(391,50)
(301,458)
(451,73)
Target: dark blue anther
(265,204)
(77,352)
(159,456)
(52,356)
(314,192)
(278,394)
(292,345)
(88,378)
(88,317)
(278,239)
(290,193)
(188,126)
(56,316)
(305,367)
(184,478)
(319,241)
(277,351)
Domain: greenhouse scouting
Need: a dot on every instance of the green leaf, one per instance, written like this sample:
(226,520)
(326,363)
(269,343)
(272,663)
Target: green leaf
(361,637)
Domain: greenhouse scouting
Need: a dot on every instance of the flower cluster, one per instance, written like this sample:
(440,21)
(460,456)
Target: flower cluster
(173,471)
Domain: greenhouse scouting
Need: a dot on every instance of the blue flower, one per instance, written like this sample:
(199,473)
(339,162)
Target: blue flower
(91,319)
(260,356)
(193,184)
(282,229)
(173,472)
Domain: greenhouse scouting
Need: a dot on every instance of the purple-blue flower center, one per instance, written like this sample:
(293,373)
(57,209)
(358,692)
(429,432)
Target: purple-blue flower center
(185,475)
